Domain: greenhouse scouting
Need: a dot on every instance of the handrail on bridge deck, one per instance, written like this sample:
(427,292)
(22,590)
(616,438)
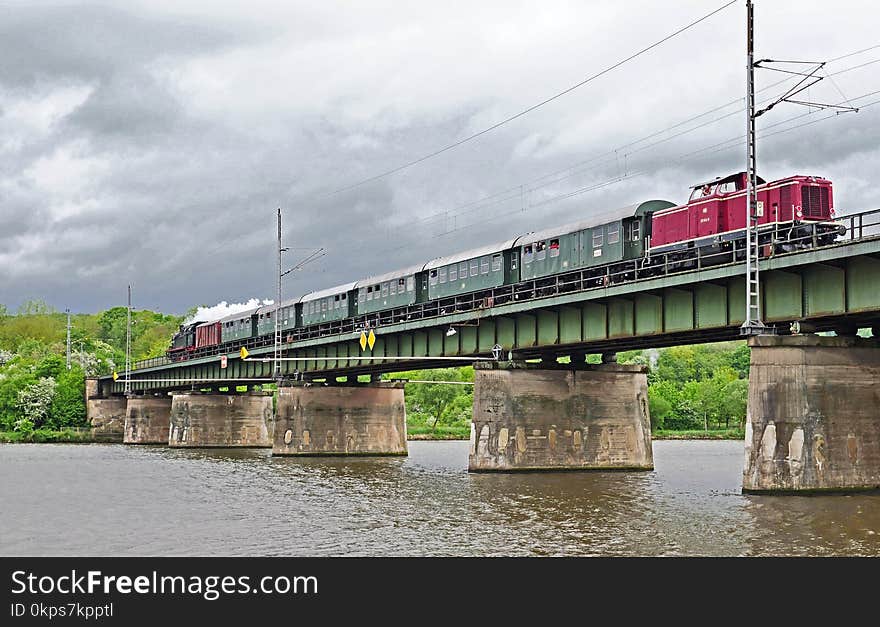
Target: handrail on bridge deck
(860,226)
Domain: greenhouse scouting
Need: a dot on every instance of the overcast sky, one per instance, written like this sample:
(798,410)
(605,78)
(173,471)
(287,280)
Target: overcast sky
(151,141)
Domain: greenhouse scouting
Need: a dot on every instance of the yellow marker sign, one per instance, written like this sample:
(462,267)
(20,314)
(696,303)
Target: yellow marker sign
(115,376)
(363,341)
(243,353)
(372,339)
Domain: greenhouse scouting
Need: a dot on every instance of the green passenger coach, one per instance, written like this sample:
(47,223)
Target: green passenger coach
(605,238)
(238,326)
(335,303)
(472,271)
(387,291)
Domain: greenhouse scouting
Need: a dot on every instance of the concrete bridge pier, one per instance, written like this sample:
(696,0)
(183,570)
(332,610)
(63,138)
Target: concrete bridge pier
(221,420)
(591,417)
(813,419)
(342,420)
(105,413)
(147,419)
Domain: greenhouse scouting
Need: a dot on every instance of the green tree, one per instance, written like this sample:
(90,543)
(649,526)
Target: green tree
(436,404)
(68,407)
(34,404)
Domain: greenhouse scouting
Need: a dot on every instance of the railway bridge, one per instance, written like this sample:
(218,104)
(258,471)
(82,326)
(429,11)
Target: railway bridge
(813,422)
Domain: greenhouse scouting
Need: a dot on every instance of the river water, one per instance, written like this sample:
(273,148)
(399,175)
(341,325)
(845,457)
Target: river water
(58,499)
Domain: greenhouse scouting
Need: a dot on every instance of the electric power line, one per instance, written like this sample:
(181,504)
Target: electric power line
(531,108)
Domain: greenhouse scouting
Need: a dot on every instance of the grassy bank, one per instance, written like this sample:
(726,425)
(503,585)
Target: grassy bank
(46,435)
(699,434)
(423,432)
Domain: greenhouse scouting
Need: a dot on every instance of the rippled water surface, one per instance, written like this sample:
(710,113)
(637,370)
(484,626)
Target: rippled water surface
(123,500)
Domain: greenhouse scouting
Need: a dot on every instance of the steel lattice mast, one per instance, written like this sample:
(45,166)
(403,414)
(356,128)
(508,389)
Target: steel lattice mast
(752,324)
(277,353)
(127,387)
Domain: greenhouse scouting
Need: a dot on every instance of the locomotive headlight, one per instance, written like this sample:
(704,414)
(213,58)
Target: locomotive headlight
(832,212)
(799,213)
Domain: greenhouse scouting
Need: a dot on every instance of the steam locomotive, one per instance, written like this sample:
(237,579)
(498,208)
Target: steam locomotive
(633,242)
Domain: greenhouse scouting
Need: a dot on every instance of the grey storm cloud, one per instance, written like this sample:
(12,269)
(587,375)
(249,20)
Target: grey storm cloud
(151,142)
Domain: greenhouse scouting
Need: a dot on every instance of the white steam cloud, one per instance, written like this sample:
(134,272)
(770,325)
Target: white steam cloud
(223,309)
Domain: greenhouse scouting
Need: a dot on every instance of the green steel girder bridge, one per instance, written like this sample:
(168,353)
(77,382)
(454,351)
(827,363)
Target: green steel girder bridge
(686,300)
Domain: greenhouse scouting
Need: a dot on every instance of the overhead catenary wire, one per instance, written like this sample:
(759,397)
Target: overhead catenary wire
(522,190)
(528,110)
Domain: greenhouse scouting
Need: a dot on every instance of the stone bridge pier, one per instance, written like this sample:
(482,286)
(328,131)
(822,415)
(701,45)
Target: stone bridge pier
(586,417)
(105,413)
(813,419)
(208,420)
(147,419)
(343,420)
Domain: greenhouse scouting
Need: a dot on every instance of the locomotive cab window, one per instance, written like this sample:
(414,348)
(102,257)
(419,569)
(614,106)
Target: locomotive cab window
(613,233)
(554,247)
(726,188)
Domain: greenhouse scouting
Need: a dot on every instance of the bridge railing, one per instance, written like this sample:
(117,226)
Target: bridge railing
(775,240)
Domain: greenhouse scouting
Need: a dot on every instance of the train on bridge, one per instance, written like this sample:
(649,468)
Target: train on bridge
(625,244)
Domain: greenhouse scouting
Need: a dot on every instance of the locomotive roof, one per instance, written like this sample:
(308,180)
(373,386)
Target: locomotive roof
(396,274)
(330,291)
(726,179)
(470,254)
(598,218)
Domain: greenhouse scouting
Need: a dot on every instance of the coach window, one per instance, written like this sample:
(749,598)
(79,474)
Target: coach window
(484,265)
(496,263)
(453,273)
(384,290)
(475,267)
(410,284)
(433,278)
(370,292)
(554,247)
(401,286)
(597,238)
(336,302)
(527,254)
(392,288)
(323,305)
(362,295)
(614,233)
(441,274)
(462,270)
(541,251)
(636,231)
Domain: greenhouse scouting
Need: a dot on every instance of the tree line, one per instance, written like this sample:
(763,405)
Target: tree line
(37,391)
(690,387)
